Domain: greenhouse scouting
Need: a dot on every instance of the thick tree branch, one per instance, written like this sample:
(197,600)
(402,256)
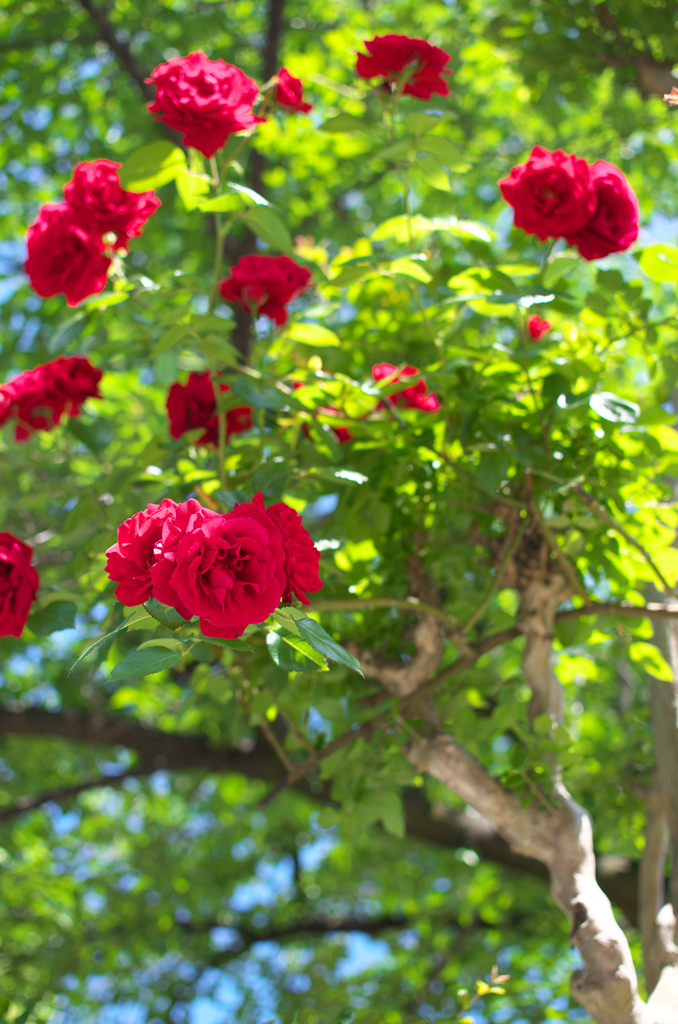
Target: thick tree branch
(174,751)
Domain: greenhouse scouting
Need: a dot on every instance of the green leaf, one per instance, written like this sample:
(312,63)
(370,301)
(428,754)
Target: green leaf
(352,274)
(168,616)
(345,123)
(271,479)
(101,640)
(96,433)
(313,334)
(418,123)
(613,408)
(249,193)
(411,268)
(233,645)
(166,642)
(191,187)
(391,813)
(445,151)
(395,152)
(330,708)
(152,166)
(260,398)
(651,659)
(265,223)
(292,654)
(144,662)
(222,204)
(68,331)
(542,725)
(660,262)
(170,338)
(57,615)
(434,173)
(322,642)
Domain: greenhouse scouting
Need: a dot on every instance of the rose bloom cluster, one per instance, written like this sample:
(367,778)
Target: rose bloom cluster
(193,405)
(230,569)
(557,195)
(413,397)
(38,398)
(19,583)
(71,243)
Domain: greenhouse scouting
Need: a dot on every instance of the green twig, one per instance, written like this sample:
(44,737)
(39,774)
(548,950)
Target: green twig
(605,517)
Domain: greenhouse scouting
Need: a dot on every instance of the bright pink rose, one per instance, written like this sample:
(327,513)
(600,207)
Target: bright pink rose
(537,327)
(207,100)
(301,555)
(65,254)
(19,583)
(228,569)
(39,397)
(614,224)
(130,559)
(414,397)
(265,284)
(193,405)
(552,194)
(390,55)
(289,94)
(95,192)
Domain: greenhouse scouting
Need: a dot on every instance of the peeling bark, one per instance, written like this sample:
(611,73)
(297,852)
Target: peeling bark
(405,678)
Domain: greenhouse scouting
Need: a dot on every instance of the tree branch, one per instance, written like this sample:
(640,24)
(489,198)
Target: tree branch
(108,35)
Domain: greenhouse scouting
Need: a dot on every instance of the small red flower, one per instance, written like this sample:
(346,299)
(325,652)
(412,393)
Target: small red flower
(192,405)
(389,56)
(95,192)
(206,100)
(265,284)
(414,397)
(39,397)
(19,584)
(65,254)
(537,327)
(289,94)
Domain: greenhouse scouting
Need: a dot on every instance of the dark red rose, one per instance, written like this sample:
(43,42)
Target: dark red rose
(130,559)
(19,583)
(95,193)
(265,284)
(65,254)
(537,327)
(388,56)
(553,194)
(289,94)
(301,555)
(227,569)
(207,100)
(414,397)
(614,224)
(39,397)
(192,405)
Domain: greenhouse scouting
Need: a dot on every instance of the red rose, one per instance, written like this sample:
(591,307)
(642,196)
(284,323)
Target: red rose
(536,326)
(289,93)
(65,254)
(614,224)
(301,555)
(193,405)
(227,569)
(552,194)
(390,55)
(39,397)
(129,560)
(95,192)
(207,100)
(19,583)
(265,284)
(414,397)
